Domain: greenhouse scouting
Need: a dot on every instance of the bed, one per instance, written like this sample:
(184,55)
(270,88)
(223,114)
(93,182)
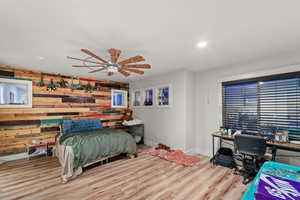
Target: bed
(83,142)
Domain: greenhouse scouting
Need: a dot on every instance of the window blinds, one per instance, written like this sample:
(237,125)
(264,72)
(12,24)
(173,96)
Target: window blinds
(266,105)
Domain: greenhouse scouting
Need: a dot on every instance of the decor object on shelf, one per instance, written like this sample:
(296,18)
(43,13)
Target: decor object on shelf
(88,87)
(72,85)
(137,98)
(148,97)
(164,96)
(51,86)
(112,66)
(15,93)
(62,83)
(127,115)
(75,86)
(41,83)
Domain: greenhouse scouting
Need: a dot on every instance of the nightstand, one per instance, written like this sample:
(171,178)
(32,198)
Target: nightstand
(136,130)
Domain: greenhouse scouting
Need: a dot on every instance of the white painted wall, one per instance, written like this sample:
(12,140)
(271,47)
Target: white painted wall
(208,111)
(197,103)
(172,125)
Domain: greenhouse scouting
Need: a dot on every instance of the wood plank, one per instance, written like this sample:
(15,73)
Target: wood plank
(12,133)
(15,117)
(46,100)
(40,110)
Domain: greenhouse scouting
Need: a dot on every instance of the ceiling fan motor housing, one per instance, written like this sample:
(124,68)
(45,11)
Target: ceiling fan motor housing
(112,68)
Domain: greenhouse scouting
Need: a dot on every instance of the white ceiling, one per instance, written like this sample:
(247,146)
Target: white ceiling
(165,32)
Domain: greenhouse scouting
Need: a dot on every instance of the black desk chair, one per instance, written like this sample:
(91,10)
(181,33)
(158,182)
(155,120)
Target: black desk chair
(252,150)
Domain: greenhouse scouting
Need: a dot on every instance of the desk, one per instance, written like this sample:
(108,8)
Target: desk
(273,145)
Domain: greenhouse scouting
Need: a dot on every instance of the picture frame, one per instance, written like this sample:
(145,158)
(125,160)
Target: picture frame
(137,99)
(164,96)
(119,98)
(15,93)
(148,99)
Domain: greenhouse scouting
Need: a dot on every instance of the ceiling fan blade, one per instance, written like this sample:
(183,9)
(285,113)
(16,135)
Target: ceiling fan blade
(84,60)
(124,72)
(87,65)
(140,66)
(132,60)
(115,54)
(97,70)
(110,73)
(134,70)
(93,55)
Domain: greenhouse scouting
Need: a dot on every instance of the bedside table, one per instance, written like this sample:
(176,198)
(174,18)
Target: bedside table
(137,130)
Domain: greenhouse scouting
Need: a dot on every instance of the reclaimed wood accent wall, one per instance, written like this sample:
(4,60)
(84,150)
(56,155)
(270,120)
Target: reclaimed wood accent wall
(19,126)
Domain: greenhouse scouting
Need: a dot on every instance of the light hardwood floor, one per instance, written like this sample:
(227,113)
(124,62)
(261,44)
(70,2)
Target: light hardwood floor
(145,177)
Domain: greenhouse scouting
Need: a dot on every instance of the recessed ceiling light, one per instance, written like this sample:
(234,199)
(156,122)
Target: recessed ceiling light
(202,44)
(40,57)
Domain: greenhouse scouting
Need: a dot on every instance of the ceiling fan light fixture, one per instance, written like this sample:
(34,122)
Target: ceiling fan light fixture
(112,68)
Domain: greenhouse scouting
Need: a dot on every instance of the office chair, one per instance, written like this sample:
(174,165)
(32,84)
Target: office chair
(252,150)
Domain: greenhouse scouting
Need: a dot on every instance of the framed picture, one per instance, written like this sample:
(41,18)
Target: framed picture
(149,97)
(15,93)
(119,98)
(137,98)
(163,97)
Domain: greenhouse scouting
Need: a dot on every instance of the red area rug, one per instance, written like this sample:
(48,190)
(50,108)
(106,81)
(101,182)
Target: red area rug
(175,156)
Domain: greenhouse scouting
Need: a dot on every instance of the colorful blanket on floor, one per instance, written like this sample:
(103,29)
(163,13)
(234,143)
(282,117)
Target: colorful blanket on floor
(175,156)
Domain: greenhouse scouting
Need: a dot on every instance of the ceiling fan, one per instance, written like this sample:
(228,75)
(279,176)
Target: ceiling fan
(112,66)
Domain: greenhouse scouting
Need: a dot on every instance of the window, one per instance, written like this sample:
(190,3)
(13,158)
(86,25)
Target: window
(264,105)
(240,106)
(119,98)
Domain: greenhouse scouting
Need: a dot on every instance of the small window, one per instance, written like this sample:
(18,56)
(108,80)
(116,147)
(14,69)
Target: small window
(119,98)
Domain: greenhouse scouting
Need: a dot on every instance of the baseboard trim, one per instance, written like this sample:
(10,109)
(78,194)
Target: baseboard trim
(190,152)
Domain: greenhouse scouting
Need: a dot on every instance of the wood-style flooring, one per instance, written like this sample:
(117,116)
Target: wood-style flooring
(145,177)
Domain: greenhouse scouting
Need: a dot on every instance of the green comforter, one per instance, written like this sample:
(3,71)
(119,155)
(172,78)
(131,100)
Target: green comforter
(90,145)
